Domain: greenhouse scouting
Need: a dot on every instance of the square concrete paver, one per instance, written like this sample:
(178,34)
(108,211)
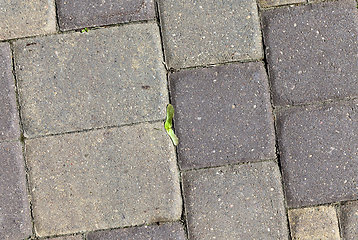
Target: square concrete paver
(223,115)
(314,223)
(235,202)
(168,231)
(103,179)
(205,32)
(15,218)
(273,3)
(319,157)
(9,117)
(349,220)
(312,51)
(21,18)
(105,77)
(79,14)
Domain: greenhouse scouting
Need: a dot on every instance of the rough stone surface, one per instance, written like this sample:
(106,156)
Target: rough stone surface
(20,18)
(170,231)
(318,149)
(88,80)
(272,3)
(235,202)
(9,117)
(15,218)
(312,51)
(205,32)
(77,237)
(349,220)
(79,14)
(103,179)
(223,115)
(314,223)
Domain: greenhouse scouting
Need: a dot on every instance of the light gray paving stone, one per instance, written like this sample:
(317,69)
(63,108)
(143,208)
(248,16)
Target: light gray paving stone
(273,3)
(90,13)
(205,32)
(349,220)
(9,116)
(103,179)
(15,217)
(314,223)
(105,77)
(20,18)
(168,231)
(312,51)
(235,202)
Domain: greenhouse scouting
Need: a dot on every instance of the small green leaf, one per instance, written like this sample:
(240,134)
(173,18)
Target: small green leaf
(169,124)
(84,30)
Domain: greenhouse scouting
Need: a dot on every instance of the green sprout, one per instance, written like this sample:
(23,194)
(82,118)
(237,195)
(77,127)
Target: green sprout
(84,30)
(169,124)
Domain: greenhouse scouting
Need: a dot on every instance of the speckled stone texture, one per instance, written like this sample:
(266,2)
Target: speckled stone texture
(312,51)
(79,14)
(314,223)
(21,18)
(235,202)
(15,218)
(90,80)
(318,150)
(205,32)
(349,220)
(168,231)
(273,3)
(103,179)
(223,115)
(9,117)
(77,237)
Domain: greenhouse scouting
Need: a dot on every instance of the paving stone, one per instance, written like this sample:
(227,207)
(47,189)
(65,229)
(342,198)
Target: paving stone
(314,223)
(272,3)
(103,179)
(20,18)
(223,115)
(312,51)
(89,80)
(9,117)
(15,218)
(79,14)
(349,220)
(206,32)
(318,149)
(235,202)
(171,231)
(77,237)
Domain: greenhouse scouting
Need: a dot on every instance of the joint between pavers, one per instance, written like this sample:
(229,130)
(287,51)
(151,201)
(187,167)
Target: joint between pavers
(57,17)
(157,15)
(337,207)
(283,6)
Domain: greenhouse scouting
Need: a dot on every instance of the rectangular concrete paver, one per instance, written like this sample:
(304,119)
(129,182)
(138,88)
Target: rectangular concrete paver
(235,202)
(103,179)
(9,116)
(168,231)
(349,220)
(80,14)
(206,32)
(20,18)
(223,115)
(318,149)
(314,223)
(312,51)
(105,77)
(273,3)
(15,218)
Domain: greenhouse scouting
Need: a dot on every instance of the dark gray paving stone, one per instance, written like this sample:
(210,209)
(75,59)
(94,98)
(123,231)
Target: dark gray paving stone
(223,115)
(318,149)
(9,117)
(169,231)
(312,51)
(205,32)
(235,202)
(77,81)
(79,14)
(20,18)
(349,220)
(103,179)
(15,218)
